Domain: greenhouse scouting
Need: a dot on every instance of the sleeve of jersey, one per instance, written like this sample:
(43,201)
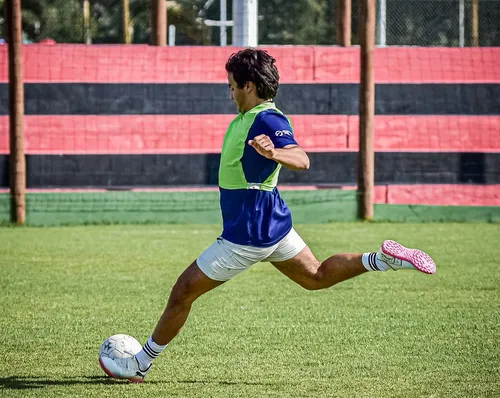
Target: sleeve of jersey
(277,127)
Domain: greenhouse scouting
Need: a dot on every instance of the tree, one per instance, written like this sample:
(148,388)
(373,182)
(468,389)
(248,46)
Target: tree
(281,21)
(296,22)
(60,20)
(409,22)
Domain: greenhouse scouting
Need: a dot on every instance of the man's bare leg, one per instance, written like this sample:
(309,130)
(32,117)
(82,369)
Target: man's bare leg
(191,284)
(306,270)
(312,274)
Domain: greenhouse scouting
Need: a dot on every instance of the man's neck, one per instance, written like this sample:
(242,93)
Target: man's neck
(253,103)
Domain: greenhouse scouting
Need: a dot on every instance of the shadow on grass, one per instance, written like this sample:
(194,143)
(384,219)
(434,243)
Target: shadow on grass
(27,383)
(37,382)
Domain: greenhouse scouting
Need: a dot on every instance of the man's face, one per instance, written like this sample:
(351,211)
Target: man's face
(238,95)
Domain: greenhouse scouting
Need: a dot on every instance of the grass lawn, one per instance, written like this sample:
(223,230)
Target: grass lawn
(394,334)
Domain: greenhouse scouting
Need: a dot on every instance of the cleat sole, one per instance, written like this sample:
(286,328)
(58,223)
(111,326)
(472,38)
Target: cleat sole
(419,259)
(110,374)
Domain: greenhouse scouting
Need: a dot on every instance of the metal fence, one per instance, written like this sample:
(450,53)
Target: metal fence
(452,23)
(194,22)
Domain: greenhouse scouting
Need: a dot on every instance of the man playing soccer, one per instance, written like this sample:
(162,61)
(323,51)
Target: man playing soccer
(257,224)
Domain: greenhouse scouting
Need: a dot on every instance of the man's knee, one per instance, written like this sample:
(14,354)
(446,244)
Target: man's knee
(191,284)
(184,291)
(316,281)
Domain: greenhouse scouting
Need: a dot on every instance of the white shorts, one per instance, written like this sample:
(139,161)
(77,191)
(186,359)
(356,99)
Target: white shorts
(224,260)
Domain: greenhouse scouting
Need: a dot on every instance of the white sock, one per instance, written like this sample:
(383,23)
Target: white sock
(372,263)
(149,351)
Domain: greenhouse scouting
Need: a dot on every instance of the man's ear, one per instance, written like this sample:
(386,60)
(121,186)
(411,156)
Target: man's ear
(249,86)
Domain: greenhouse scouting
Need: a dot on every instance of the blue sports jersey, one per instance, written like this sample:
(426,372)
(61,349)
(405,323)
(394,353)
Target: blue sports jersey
(253,211)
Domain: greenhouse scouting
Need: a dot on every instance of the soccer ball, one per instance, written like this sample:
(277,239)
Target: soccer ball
(119,346)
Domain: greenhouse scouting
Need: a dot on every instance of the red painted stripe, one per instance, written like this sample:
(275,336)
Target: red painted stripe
(449,195)
(439,195)
(146,64)
(297,64)
(432,133)
(143,134)
(154,134)
(120,134)
(436,194)
(411,65)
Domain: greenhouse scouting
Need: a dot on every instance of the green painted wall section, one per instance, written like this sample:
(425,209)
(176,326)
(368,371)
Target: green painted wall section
(202,207)
(4,208)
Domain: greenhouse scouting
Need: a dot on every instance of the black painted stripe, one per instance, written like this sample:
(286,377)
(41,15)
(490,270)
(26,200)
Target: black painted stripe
(335,168)
(317,99)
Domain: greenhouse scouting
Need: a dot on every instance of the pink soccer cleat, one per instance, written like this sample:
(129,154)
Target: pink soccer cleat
(396,256)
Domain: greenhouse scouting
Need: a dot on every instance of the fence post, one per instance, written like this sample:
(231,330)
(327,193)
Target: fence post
(381,23)
(343,23)
(17,162)
(127,38)
(461,23)
(475,23)
(87,38)
(158,22)
(245,23)
(366,156)
(223,20)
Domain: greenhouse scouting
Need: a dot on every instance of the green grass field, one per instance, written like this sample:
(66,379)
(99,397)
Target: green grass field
(397,334)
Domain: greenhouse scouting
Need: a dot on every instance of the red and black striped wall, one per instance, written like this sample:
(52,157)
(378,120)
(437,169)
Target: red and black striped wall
(115,116)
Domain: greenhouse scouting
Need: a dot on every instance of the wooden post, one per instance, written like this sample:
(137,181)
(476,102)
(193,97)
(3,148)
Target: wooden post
(366,156)
(158,22)
(475,23)
(343,23)
(127,37)
(17,162)
(87,38)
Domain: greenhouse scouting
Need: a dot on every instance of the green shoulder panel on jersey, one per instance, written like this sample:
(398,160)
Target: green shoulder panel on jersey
(231,175)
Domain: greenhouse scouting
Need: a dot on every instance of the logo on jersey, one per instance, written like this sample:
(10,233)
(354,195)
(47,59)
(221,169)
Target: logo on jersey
(283,133)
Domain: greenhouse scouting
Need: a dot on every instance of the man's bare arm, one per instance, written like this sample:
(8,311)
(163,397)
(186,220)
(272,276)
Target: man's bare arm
(292,157)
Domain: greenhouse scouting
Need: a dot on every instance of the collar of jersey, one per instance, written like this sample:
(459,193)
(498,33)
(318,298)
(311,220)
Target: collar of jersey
(267,105)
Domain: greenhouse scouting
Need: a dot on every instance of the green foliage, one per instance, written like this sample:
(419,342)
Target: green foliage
(297,22)
(282,22)
(409,22)
(436,23)
(61,20)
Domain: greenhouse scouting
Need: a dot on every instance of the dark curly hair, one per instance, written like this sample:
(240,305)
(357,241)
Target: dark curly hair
(258,67)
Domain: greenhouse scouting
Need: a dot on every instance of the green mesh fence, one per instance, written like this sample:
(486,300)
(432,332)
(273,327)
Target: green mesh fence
(198,207)
(202,207)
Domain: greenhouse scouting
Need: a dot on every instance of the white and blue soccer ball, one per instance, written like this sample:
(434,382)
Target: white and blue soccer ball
(119,346)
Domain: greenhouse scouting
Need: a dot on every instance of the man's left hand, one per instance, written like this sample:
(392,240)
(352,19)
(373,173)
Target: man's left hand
(263,145)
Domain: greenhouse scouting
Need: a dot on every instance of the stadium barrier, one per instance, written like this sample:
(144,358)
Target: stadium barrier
(147,123)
